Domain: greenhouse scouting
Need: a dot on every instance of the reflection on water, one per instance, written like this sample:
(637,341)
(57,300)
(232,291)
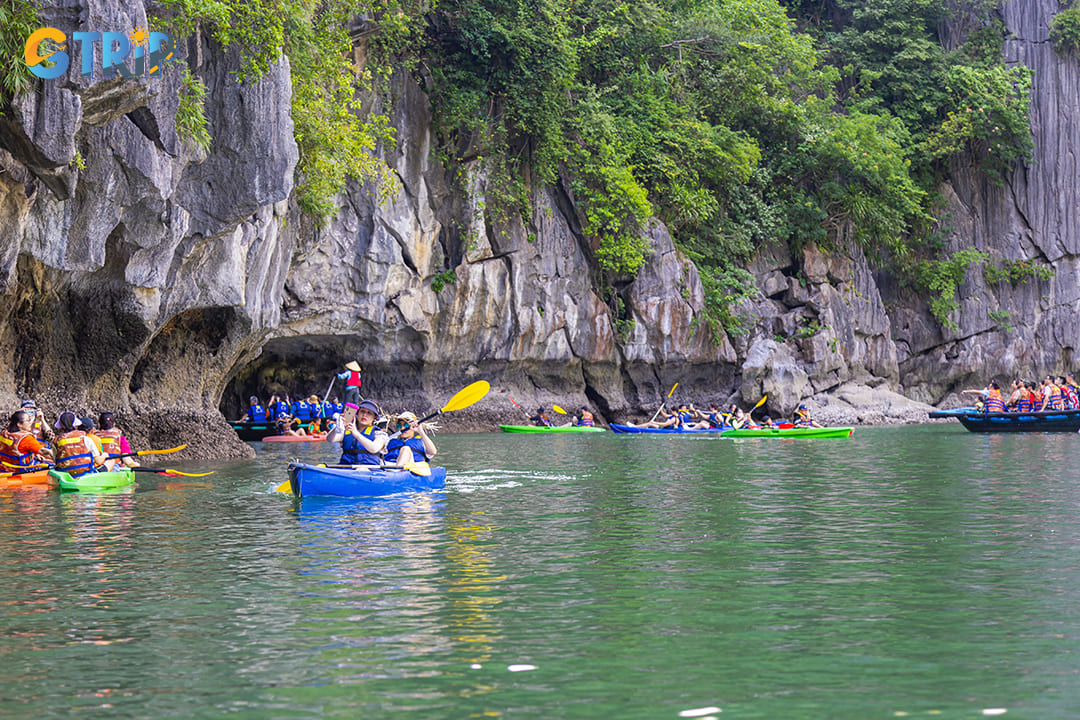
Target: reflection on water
(901,572)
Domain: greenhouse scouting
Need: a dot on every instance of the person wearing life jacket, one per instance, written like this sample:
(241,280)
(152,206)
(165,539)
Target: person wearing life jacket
(802,418)
(19,448)
(411,444)
(767,422)
(363,443)
(1014,396)
(1024,404)
(301,411)
(39,424)
(351,376)
(1052,397)
(586,418)
(113,441)
(540,419)
(76,454)
(1069,391)
(991,397)
(255,412)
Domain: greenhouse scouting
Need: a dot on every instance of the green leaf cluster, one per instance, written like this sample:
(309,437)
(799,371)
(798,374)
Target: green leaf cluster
(191,122)
(940,279)
(18,18)
(1016,272)
(1065,30)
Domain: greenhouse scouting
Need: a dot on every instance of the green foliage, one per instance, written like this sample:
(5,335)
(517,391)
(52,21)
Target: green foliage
(191,113)
(1016,272)
(1001,317)
(941,278)
(336,138)
(18,18)
(1065,30)
(441,280)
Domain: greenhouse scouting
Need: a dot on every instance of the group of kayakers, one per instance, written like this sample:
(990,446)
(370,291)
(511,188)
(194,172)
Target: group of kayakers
(294,417)
(78,447)
(687,417)
(582,418)
(1053,393)
(395,440)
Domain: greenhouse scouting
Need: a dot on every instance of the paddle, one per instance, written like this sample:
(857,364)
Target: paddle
(558,409)
(149,452)
(170,472)
(24,470)
(664,403)
(520,408)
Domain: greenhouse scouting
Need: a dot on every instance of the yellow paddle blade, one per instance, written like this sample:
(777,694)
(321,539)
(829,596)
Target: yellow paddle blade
(672,389)
(558,409)
(284,487)
(160,452)
(421,468)
(760,402)
(467,396)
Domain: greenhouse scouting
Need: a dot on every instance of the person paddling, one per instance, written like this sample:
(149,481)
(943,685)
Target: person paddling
(540,419)
(412,444)
(802,418)
(351,376)
(76,454)
(113,441)
(18,447)
(363,443)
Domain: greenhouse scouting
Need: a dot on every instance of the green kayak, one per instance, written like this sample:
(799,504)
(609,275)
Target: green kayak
(93,481)
(812,432)
(535,429)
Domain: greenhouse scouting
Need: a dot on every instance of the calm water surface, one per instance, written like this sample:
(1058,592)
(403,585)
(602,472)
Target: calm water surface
(920,572)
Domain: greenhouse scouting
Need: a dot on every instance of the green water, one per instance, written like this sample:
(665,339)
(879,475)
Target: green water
(920,572)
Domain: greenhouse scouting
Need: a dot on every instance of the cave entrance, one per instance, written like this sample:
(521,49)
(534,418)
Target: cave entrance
(296,366)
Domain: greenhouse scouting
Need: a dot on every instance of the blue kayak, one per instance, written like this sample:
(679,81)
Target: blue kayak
(630,429)
(362,481)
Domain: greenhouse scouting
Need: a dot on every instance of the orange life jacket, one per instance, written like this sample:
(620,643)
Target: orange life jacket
(110,441)
(10,457)
(72,455)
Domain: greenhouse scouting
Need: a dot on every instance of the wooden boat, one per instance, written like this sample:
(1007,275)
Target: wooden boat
(538,429)
(1044,421)
(632,430)
(94,481)
(256,431)
(361,480)
(810,432)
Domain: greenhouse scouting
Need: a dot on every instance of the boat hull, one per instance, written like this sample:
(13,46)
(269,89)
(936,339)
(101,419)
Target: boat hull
(38,477)
(311,480)
(93,481)
(535,429)
(294,438)
(812,432)
(256,431)
(1047,421)
(631,430)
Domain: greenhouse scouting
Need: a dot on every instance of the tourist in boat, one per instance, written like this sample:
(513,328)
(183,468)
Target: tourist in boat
(991,397)
(1051,399)
(288,425)
(76,454)
(412,443)
(279,407)
(19,447)
(255,412)
(540,419)
(767,422)
(585,418)
(113,441)
(363,443)
(39,425)
(351,376)
(301,411)
(803,419)
(1014,397)
(1025,403)
(1068,392)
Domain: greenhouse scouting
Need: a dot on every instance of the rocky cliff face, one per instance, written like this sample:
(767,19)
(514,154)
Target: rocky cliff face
(144,277)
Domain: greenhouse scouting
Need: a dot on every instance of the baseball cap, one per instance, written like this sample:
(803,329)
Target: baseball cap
(369,405)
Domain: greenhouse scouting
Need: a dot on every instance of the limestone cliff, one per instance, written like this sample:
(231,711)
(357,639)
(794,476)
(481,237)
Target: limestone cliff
(145,277)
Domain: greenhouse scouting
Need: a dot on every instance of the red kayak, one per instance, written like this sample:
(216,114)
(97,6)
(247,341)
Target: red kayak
(317,437)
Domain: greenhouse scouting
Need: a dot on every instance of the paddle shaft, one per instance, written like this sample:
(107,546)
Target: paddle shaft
(659,409)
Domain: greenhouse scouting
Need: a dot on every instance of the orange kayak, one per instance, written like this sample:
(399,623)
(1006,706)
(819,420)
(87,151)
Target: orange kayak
(38,477)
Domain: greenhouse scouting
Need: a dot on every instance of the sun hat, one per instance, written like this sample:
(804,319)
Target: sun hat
(28,403)
(407,416)
(352,365)
(369,405)
(71,417)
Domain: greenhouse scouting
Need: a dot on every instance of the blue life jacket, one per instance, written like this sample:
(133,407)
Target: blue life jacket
(353,453)
(393,449)
(256,413)
(281,409)
(301,411)
(327,410)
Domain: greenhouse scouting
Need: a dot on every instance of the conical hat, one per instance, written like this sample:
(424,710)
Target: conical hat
(352,365)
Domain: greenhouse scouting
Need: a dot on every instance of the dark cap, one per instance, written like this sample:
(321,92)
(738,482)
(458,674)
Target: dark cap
(86,423)
(28,403)
(370,405)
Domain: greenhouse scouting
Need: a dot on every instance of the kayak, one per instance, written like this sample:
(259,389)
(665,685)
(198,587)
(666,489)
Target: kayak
(811,432)
(632,430)
(362,481)
(318,437)
(1043,421)
(536,429)
(38,477)
(94,481)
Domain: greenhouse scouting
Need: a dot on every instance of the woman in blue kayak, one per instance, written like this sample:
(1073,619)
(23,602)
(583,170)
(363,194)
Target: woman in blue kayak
(412,443)
(363,443)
